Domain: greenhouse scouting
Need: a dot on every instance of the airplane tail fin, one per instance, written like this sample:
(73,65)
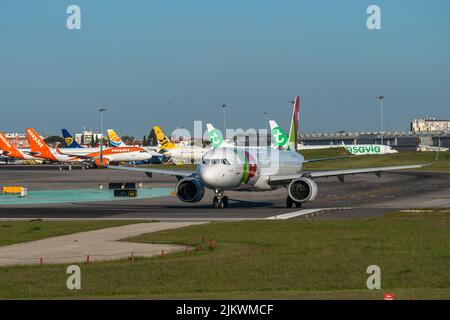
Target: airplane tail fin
(70,142)
(293,130)
(8,148)
(215,136)
(37,145)
(279,138)
(114,139)
(162,139)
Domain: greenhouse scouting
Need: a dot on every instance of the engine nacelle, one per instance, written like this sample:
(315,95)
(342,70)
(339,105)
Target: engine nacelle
(302,190)
(190,190)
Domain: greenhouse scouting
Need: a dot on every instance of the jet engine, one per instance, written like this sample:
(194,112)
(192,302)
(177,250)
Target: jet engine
(302,190)
(190,190)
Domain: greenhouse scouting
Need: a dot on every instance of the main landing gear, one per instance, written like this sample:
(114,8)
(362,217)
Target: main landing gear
(220,201)
(291,203)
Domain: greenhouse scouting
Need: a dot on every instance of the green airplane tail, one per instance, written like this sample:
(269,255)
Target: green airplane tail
(279,137)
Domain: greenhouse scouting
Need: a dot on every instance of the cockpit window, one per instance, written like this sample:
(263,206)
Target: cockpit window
(215,161)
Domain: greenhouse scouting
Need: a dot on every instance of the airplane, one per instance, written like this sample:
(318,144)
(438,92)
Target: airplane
(254,169)
(70,142)
(88,155)
(288,142)
(216,138)
(11,151)
(39,149)
(172,151)
(114,139)
(354,149)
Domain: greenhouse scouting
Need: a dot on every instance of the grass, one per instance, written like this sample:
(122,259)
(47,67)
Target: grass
(12,232)
(401,158)
(296,259)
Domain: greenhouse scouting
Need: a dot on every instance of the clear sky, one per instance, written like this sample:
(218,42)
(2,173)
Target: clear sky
(171,62)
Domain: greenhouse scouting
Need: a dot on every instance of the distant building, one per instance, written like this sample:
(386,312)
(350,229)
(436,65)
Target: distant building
(19,140)
(87,137)
(429,124)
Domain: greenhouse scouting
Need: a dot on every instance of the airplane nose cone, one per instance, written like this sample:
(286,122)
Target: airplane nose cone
(208,176)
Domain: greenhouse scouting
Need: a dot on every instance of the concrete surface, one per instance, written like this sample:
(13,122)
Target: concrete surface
(100,245)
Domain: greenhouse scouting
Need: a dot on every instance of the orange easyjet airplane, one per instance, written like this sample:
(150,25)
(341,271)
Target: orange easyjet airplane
(9,150)
(115,154)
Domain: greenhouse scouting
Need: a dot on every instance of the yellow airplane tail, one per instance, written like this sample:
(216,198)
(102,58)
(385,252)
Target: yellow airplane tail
(162,139)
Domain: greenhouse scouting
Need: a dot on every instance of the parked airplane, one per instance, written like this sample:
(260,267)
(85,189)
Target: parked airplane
(280,139)
(169,149)
(254,169)
(39,149)
(11,151)
(90,155)
(288,142)
(69,141)
(114,139)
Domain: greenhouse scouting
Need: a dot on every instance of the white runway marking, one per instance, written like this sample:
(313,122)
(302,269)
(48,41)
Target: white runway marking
(294,214)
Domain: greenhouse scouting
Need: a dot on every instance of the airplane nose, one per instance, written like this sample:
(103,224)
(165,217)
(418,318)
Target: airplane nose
(208,176)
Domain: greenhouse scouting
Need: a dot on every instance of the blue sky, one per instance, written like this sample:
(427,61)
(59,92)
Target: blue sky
(171,62)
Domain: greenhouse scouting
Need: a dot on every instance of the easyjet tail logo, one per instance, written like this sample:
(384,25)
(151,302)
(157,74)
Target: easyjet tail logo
(5,141)
(35,138)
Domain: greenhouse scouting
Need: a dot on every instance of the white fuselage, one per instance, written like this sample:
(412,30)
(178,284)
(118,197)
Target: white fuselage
(25,155)
(355,149)
(192,153)
(113,154)
(246,168)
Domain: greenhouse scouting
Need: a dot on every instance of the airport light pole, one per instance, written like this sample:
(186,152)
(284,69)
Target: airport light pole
(381,98)
(224,106)
(267,114)
(101,110)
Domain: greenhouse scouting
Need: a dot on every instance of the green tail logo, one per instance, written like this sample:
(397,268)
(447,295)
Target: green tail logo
(216,138)
(279,137)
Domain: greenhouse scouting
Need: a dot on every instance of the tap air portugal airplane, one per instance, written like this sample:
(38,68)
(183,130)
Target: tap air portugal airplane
(255,169)
(9,150)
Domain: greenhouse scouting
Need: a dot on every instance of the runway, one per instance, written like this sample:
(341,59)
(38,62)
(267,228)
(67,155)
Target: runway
(361,196)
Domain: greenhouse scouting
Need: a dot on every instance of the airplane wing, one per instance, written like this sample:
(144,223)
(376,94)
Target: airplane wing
(176,173)
(339,173)
(333,173)
(326,159)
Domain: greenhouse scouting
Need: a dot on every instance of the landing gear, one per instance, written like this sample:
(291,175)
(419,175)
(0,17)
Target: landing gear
(291,203)
(220,201)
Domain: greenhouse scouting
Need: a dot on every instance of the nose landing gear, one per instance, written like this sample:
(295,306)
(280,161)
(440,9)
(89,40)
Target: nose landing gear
(220,201)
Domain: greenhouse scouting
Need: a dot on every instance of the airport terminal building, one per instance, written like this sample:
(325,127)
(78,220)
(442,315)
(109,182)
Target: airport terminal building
(398,140)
